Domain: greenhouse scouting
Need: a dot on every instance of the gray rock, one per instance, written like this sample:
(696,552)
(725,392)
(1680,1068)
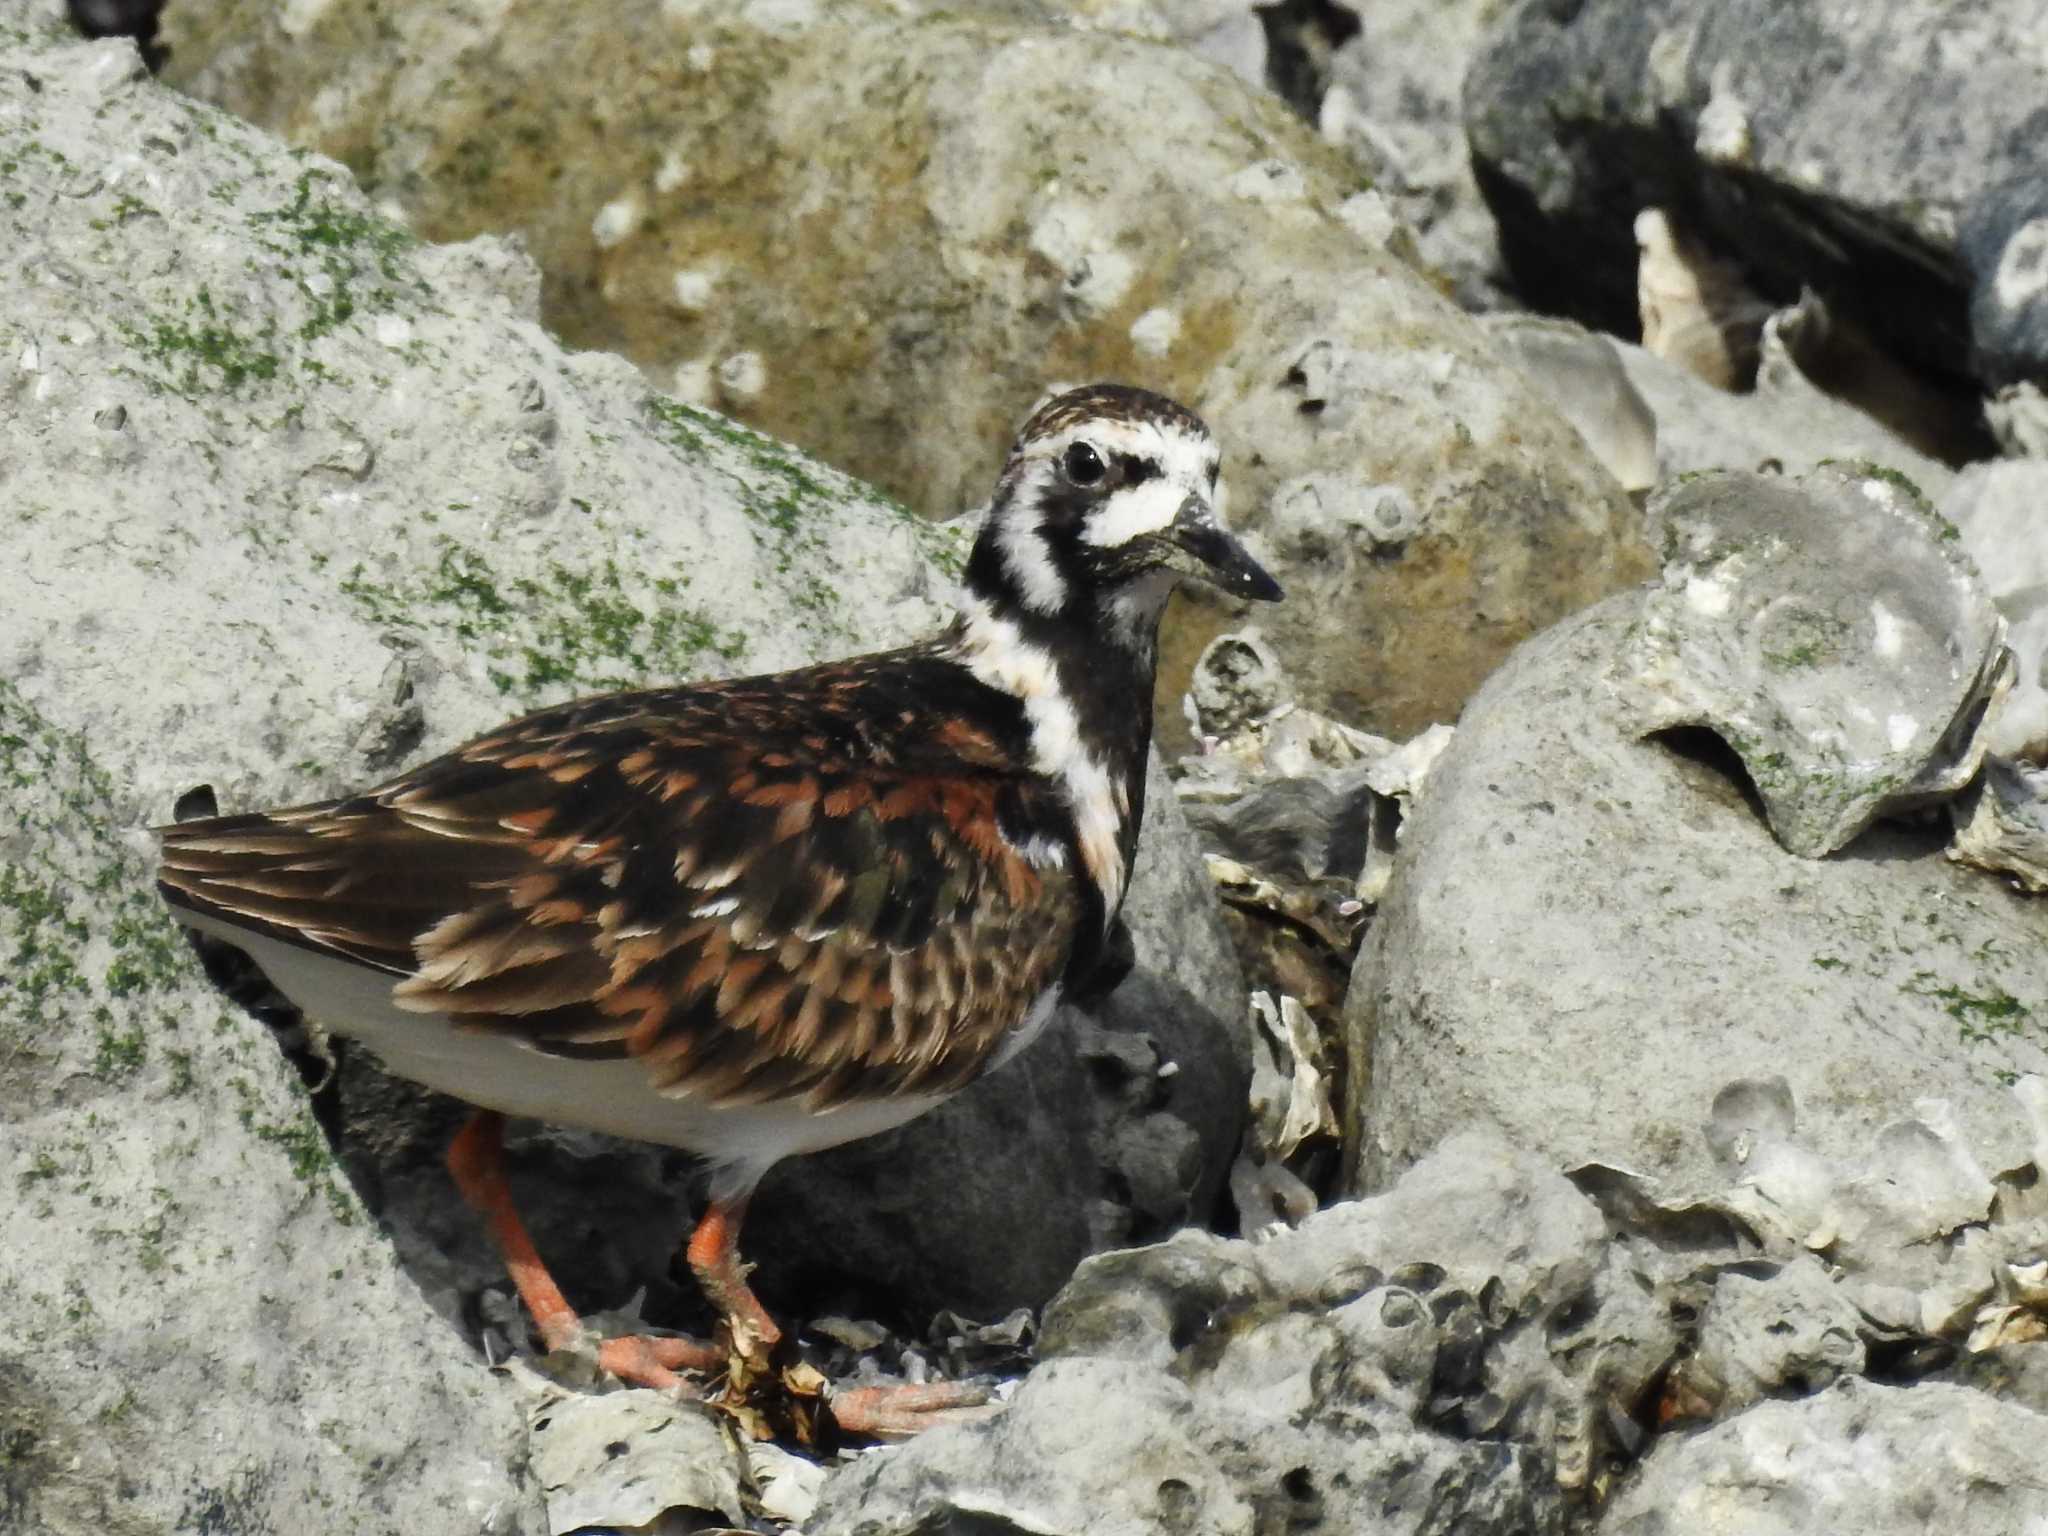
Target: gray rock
(1793,1331)
(1222,1386)
(205,1330)
(293,499)
(1582,376)
(2018,418)
(1820,144)
(631,1458)
(1858,1457)
(1652,421)
(1587,932)
(987,208)
(2002,823)
(1832,633)
(1997,508)
(1392,100)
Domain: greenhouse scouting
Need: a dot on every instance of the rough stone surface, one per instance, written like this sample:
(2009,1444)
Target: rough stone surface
(1587,933)
(1820,144)
(204,1330)
(2002,822)
(1207,1385)
(1998,508)
(629,1458)
(291,500)
(1582,376)
(1393,100)
(1832,633)
(1859,1457)
(1522,1351)
(1650,420)
(888,253)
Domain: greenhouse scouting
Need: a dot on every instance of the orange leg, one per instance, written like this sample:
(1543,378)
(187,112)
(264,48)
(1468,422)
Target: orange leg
(476,1160)
(714,1255)
(898,1412)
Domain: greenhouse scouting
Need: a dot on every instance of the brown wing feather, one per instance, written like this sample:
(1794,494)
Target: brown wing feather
(797,886)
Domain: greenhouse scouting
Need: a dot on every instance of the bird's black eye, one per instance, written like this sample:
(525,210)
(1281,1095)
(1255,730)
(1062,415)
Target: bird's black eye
(1083,464)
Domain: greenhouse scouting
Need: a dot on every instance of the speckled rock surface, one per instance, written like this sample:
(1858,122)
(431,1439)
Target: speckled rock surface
(1888,156)
(1832,632)
(881,235)
(204,1330)
(1997,508)
(292,499)
(1784,426)
(1587,933)
(1455,1325)
(1492,1346)
(1394,100)
(1861,1457)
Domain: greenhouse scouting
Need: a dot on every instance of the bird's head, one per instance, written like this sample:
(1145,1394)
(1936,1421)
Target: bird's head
(1107,501)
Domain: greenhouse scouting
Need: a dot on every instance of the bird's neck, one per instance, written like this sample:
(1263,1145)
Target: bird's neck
(1084,681)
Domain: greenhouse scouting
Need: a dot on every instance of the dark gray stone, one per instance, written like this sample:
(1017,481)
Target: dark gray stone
(1889,157)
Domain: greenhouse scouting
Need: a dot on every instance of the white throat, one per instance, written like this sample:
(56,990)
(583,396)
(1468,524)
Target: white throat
(995,651)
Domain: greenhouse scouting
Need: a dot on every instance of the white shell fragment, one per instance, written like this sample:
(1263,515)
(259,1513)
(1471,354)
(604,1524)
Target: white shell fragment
(1290,798)
(1832,632)
(1290,1096)
(2001,824)
(628,1458)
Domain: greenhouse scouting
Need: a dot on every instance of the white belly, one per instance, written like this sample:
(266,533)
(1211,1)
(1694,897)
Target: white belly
(496,1072)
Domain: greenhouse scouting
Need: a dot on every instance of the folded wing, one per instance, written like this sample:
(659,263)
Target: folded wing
(814,889)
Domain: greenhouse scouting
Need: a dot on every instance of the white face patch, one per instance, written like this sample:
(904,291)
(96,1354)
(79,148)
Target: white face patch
(1134,511)
(997,653)
(1187,461)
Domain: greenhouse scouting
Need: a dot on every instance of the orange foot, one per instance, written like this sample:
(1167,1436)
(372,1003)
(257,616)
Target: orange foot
(899,1411)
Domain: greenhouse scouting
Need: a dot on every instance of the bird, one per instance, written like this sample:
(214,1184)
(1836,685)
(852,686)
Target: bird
(754,918)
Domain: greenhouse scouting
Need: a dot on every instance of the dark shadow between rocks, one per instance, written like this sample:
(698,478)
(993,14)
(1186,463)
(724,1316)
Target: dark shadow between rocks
(1712,765)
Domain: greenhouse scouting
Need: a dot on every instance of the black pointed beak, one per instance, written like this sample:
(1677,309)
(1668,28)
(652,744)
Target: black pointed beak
(1220,556)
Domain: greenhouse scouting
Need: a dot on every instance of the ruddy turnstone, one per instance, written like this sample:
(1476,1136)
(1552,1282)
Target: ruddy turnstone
(764,916)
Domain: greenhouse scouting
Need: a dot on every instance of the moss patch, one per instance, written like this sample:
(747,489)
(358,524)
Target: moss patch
(583,629)
(85,941)
(791,500)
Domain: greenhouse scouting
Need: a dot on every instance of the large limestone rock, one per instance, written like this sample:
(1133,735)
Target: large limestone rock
(1462,1326)
(1590,929)
(1651,420)
(204,1329)
(292,499)
(882,234)
(1997,509)
(1392,97)
(1517,1350)
(1862,1457)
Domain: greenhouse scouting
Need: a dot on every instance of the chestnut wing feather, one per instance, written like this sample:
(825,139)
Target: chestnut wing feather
(793,887)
